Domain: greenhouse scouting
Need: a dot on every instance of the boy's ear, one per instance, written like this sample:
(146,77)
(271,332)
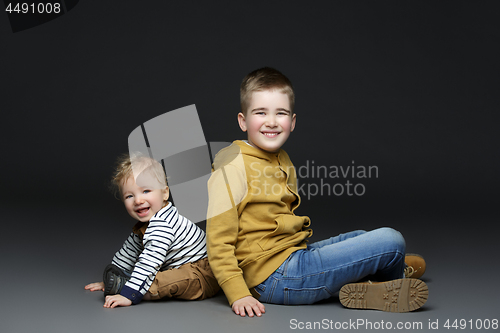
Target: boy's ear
(166,193)
(293,123)
(242,122)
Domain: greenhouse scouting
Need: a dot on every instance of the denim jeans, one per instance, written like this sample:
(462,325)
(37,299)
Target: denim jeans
(318,272)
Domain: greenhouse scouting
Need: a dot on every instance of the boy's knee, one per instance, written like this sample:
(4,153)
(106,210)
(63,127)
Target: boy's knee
(394,237)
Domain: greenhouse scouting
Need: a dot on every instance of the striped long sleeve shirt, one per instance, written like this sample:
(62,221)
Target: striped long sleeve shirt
(170,241)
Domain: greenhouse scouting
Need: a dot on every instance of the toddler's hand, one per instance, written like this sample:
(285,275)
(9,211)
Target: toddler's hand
(113,301)
(250,305)
(95,286)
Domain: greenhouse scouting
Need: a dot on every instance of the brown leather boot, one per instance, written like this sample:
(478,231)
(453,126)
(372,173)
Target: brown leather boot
(402,295)
(415,266)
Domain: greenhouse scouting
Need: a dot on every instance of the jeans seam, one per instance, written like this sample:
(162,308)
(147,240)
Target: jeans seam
(368,258)
(313,288)
(270,294)
(287,291)
(303,276)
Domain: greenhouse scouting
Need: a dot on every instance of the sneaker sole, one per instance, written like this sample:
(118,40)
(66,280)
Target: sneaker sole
(402,295)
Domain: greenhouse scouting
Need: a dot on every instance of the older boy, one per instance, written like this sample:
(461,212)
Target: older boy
(257,245)
(165,255)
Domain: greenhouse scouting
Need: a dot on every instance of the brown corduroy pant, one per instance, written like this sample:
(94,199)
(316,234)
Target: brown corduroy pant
(191,281)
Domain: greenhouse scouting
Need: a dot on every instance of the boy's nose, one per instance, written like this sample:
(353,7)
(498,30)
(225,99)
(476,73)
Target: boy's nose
(271,122)
(139,200)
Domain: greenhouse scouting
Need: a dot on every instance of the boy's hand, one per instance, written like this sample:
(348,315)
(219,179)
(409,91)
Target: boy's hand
(250,305)
(113,301)
(95,286)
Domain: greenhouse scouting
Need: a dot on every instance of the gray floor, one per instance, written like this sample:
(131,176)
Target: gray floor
(53,255)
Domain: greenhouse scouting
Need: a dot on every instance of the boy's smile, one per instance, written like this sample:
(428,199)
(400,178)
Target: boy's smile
(142,212)
(268,121)
(142,202)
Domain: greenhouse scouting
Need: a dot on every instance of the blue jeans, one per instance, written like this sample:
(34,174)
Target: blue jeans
(316,273)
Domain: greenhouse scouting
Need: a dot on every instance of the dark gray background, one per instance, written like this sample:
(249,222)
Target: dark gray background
(411,87)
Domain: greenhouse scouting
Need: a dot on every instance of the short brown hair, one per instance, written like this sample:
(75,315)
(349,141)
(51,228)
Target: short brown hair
(126,165)
(265,78)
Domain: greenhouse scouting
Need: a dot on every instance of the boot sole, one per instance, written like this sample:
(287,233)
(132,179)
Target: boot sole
(402,295)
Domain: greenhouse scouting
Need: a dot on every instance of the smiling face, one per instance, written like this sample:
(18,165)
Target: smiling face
(145,197)
(268,120)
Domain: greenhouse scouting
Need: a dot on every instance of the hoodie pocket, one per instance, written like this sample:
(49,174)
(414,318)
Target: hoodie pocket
(286,227)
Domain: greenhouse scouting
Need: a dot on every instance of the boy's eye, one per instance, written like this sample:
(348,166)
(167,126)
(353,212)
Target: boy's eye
(146,191)
(128,196)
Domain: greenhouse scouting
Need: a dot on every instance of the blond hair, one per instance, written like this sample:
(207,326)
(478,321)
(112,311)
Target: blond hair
(262,79)
(132,166)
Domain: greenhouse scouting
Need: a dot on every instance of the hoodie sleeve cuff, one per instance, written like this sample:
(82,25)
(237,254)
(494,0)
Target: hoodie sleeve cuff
(235,289)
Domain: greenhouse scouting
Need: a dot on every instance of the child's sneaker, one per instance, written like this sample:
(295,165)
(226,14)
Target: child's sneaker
(114,280)
(415,266)
(402,295)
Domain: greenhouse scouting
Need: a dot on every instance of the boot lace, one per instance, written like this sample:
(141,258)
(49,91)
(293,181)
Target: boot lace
(409,271)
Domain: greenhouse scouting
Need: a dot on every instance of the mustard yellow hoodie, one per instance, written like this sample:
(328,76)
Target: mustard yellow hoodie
(251,227)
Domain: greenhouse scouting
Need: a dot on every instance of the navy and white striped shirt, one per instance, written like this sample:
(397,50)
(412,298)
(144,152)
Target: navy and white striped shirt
(170,241)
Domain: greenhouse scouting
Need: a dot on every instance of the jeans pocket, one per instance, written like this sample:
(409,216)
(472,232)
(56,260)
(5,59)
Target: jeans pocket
(260,289)
(305,295)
